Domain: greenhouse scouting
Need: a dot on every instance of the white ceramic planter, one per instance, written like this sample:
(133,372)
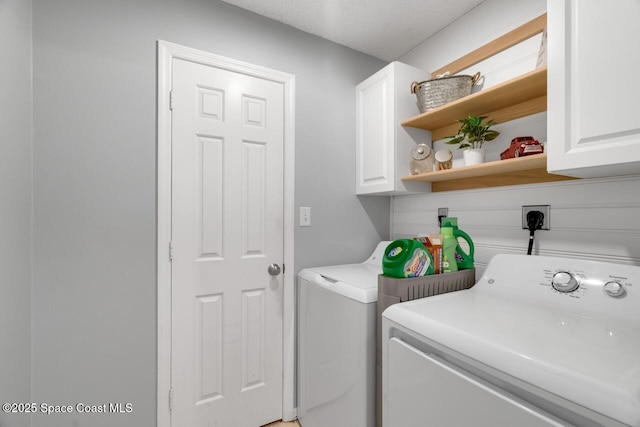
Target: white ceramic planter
(473,156)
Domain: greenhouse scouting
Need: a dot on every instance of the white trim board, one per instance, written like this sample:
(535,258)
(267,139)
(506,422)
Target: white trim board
(166,52)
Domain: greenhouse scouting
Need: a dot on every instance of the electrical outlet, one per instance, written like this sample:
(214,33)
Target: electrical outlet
(442,213)
(545,209)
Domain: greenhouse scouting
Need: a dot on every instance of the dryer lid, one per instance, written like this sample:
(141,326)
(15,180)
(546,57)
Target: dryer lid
(356,281)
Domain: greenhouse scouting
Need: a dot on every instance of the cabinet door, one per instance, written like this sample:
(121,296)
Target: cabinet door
(593,92)
(375,113)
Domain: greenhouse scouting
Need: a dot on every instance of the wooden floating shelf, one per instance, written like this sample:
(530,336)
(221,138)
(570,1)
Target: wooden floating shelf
(509,100)
(515,98)
(522,170)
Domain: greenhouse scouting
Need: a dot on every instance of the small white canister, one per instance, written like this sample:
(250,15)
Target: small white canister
(421,159)
(444,159)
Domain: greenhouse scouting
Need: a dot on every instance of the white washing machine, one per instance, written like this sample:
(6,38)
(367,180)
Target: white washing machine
(337,343)
(538,341)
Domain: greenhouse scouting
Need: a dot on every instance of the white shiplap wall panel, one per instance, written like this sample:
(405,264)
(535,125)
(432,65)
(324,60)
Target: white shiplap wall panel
(596,219)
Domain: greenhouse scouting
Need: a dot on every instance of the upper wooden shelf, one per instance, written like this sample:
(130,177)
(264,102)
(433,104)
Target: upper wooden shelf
(515,98)
(522,170)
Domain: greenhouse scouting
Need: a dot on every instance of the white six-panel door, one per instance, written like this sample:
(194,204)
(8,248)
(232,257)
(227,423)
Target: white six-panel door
(227,228)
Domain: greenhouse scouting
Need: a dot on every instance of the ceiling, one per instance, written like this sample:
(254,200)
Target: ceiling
(386,29)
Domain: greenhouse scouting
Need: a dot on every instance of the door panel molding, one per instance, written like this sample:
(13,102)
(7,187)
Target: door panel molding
(166,52)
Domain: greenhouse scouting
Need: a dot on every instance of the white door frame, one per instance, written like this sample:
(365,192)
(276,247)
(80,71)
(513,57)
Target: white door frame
(166,53)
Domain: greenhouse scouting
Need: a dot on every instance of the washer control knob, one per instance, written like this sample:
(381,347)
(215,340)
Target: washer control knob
(564,282)
(614,289)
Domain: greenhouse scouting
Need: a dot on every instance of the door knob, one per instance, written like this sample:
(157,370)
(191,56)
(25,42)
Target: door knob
(274,269)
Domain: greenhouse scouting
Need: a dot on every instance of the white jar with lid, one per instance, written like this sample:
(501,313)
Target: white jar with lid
(444,160)
(421,159)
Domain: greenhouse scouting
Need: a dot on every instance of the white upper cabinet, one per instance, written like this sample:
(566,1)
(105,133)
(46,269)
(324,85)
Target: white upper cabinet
(383,146)
(593,89)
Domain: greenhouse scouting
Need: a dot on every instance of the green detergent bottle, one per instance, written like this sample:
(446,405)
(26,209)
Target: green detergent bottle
(449,243)
(463,259)
(407,258)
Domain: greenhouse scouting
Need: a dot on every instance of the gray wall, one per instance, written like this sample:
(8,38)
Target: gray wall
(15,206)
(94,292)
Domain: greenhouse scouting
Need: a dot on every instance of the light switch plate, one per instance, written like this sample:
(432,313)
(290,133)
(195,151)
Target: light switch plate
(305,216)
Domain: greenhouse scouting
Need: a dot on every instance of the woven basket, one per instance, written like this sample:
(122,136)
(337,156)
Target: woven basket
(437,92)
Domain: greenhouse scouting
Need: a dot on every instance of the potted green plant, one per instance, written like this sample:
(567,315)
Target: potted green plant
(473,133)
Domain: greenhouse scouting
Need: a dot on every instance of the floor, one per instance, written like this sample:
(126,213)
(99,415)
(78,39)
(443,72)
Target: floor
(283,424)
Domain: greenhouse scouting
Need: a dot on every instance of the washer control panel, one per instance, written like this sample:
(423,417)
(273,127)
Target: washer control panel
(570,285)
(576,282)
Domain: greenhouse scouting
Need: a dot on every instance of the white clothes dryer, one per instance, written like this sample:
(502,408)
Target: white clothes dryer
(336,369)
